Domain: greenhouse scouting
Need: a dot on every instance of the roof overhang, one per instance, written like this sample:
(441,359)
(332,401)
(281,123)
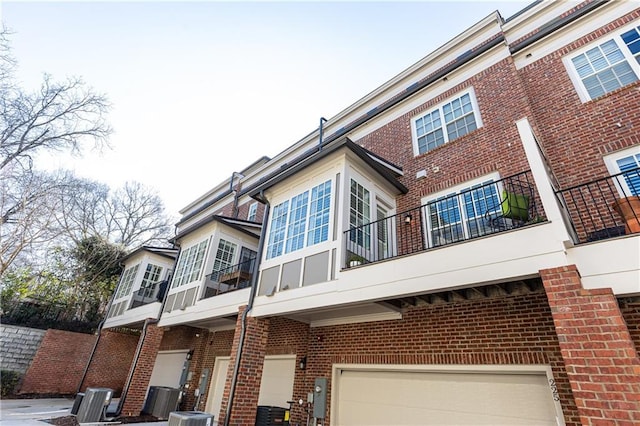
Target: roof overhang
(387,170)
(250,228)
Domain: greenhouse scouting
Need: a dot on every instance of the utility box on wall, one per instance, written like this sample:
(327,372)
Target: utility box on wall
(320,397)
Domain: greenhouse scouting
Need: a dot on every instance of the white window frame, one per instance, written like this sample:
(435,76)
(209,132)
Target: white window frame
(439,108)
(611,161)
(186,273)
(253,212)
(225,248)
(378,200)
(456,190)
(150,279)
(279,244)
(616,36)
(126,281)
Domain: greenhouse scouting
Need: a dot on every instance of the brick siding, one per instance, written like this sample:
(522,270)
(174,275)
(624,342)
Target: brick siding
(111,362)
(599,356)
(59,363)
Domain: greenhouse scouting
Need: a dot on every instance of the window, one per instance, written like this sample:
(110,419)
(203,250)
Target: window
(359,215)
(626,162)
(150,279)
(319,214)
(607,66)
(189,264)
(459,214)
(224,255)
(253,211)
(447,122)
(126,282)
(300,222)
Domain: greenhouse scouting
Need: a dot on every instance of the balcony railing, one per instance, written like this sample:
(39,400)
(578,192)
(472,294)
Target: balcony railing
(604,208)
(151,293)
(480,210)
(229,279)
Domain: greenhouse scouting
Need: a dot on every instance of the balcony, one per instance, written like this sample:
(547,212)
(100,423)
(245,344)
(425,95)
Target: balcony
(604,208)
(151,293)
(229,279)
(490,208)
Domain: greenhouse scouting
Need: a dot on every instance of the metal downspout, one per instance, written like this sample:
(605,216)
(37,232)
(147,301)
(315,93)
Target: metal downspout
(252,295)
(148,321)
(125,390)
(320,131)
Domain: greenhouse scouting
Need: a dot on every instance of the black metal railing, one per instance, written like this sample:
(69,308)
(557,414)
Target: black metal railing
(150,293)
(480,210)
(604,208)
(232,278)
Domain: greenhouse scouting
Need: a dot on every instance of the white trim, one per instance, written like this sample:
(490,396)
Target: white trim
(476,113)
(382,316)
(535,369)
(615,36)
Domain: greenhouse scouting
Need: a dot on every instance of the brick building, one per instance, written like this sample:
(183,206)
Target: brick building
(460,246)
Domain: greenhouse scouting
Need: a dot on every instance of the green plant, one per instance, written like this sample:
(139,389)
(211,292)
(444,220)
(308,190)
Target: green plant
(9,382)
(354,258)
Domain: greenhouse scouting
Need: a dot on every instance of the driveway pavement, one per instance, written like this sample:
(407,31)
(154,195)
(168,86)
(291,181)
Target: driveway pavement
(33,412)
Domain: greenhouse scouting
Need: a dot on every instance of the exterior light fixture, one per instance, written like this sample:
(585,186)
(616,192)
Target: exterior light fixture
(303,363)
(407,218)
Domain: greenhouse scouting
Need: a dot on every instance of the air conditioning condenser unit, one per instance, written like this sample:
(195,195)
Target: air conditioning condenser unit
(94,405)
(190,418)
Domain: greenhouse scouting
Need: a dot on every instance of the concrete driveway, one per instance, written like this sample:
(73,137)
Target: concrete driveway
(33,412)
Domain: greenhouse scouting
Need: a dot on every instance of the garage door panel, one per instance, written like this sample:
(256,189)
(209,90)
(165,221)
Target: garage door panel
(421,398)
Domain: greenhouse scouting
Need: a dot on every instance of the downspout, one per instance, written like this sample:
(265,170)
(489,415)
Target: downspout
(125,390)
(234,211)
(99,331)
(322,121)
(136,356)
(252,295)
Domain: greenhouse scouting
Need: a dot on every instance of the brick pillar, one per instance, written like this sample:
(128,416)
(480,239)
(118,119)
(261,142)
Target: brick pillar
(599,356)
(134,401)
(245,401)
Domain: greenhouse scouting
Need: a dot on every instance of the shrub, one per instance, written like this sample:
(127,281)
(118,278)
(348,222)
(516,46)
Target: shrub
(9,382)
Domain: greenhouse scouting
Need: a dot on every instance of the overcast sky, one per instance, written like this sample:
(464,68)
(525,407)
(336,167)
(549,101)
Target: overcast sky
(202,89)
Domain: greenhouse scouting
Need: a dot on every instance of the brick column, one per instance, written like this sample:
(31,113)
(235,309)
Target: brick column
(134,401)
(245,401)
(599,356)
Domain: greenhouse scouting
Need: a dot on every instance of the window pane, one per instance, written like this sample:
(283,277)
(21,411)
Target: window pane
(224,257)
(319,214)
(297,222)
(632,178)
(275,243)
(359,215)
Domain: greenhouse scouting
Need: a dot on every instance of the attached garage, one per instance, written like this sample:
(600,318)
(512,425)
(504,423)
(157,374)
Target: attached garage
(406,395)
(276,386)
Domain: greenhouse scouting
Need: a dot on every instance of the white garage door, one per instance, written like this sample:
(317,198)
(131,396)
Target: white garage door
(276,386)
(167,369)
(443,398)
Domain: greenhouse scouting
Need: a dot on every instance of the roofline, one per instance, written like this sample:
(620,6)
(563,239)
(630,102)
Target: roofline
(150,250)
(215,218)
(315,154)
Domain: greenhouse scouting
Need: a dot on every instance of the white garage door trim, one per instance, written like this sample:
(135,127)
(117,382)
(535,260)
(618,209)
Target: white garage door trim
(444,369)
(276,384)
(216,387)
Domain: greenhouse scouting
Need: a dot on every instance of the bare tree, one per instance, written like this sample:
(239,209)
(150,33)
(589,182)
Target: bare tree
(61,115)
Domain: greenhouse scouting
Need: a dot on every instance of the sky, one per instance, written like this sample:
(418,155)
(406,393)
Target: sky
(200,89)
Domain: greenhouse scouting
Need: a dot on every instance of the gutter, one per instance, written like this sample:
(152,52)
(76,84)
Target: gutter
(556,24)
(252,296)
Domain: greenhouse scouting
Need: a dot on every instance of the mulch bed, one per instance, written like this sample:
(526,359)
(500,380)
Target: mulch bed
(73,421)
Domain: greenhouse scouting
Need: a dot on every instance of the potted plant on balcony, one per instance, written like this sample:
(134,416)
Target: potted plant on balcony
(355,260)
(629,209)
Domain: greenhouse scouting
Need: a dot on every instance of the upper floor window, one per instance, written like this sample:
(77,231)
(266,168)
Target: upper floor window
(224,255)
(253,211)
(607,66)
(449,121)
(300,221)
(151,278)
(190,264)
(628,163)
(126,282)
(360,215)
(459,213)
